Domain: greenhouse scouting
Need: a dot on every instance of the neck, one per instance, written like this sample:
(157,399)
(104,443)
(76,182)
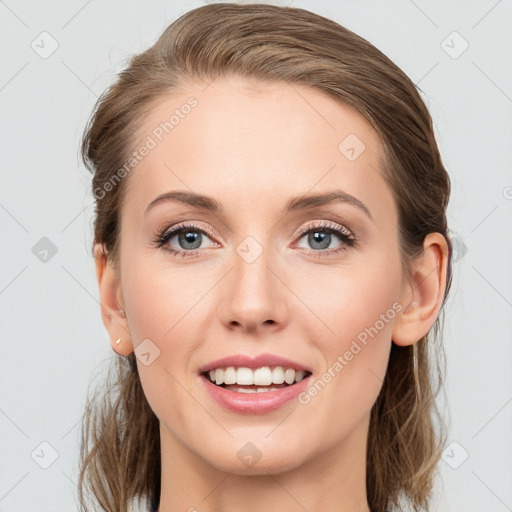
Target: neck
(334,480)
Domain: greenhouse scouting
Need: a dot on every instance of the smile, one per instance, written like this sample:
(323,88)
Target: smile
(254,391)
(257,380)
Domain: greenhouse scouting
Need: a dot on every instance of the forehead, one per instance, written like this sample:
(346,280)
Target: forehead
(249,141)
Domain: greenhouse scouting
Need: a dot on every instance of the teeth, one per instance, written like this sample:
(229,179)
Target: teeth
(264,376)
(278,375)
(244,376)
(252,390)
(299,375)
(289,376)
(230,375)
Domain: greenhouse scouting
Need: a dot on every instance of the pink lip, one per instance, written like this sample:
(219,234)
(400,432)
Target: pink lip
(254,403)
(240,360)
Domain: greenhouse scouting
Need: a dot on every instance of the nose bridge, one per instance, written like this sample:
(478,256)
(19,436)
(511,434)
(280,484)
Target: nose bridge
(253,295)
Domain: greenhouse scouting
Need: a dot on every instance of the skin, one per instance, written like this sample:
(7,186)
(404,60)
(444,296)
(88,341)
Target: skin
(252,147)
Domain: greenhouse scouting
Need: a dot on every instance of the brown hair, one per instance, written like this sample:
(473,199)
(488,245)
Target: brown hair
(120,451)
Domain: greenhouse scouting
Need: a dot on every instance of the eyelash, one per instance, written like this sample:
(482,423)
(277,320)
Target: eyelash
(345,236)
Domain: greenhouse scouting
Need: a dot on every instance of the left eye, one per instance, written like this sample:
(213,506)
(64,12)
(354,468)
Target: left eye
(321,237)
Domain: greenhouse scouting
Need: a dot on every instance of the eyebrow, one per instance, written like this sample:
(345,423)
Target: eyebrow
(314,200)
(297,203)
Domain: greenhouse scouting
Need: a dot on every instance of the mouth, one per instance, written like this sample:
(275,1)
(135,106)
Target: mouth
(255,380)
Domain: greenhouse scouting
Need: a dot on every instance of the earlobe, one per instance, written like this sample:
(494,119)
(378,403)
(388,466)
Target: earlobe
(112,304)
(423,293)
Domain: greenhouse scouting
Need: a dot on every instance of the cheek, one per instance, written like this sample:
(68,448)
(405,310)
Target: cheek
(358,307)
(166,305)
(160,299)
(352,303)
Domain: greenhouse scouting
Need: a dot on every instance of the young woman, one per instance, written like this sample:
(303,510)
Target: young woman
(272,256)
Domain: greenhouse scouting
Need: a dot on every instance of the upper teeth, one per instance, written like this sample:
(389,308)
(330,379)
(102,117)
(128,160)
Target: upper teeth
(264,376)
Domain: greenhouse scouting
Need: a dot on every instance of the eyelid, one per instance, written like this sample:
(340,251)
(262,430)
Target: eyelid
(188,224)
(324,224)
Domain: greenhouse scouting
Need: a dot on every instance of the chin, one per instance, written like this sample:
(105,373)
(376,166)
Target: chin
(251,460)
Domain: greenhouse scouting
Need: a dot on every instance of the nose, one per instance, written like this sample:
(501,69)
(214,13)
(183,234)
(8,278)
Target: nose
(253,295)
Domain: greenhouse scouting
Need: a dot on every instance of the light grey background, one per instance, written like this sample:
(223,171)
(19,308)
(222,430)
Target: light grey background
(53,339)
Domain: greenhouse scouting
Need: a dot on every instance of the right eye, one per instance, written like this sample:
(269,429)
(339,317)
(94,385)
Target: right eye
(189,238)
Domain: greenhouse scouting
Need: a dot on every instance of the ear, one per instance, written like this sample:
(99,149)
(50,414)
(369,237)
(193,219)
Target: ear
(422,295)
(112,304)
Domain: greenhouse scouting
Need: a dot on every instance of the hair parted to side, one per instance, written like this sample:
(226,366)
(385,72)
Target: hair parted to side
(120,450)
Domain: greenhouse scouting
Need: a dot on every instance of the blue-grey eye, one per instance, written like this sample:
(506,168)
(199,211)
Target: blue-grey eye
(319,237)
(189,239)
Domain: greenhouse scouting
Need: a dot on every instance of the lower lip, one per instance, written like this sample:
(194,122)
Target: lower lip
(254,403)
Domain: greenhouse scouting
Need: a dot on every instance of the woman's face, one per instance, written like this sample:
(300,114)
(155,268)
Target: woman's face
(260,271)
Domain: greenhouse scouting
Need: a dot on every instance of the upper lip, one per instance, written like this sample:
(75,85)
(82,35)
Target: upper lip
(240,360)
